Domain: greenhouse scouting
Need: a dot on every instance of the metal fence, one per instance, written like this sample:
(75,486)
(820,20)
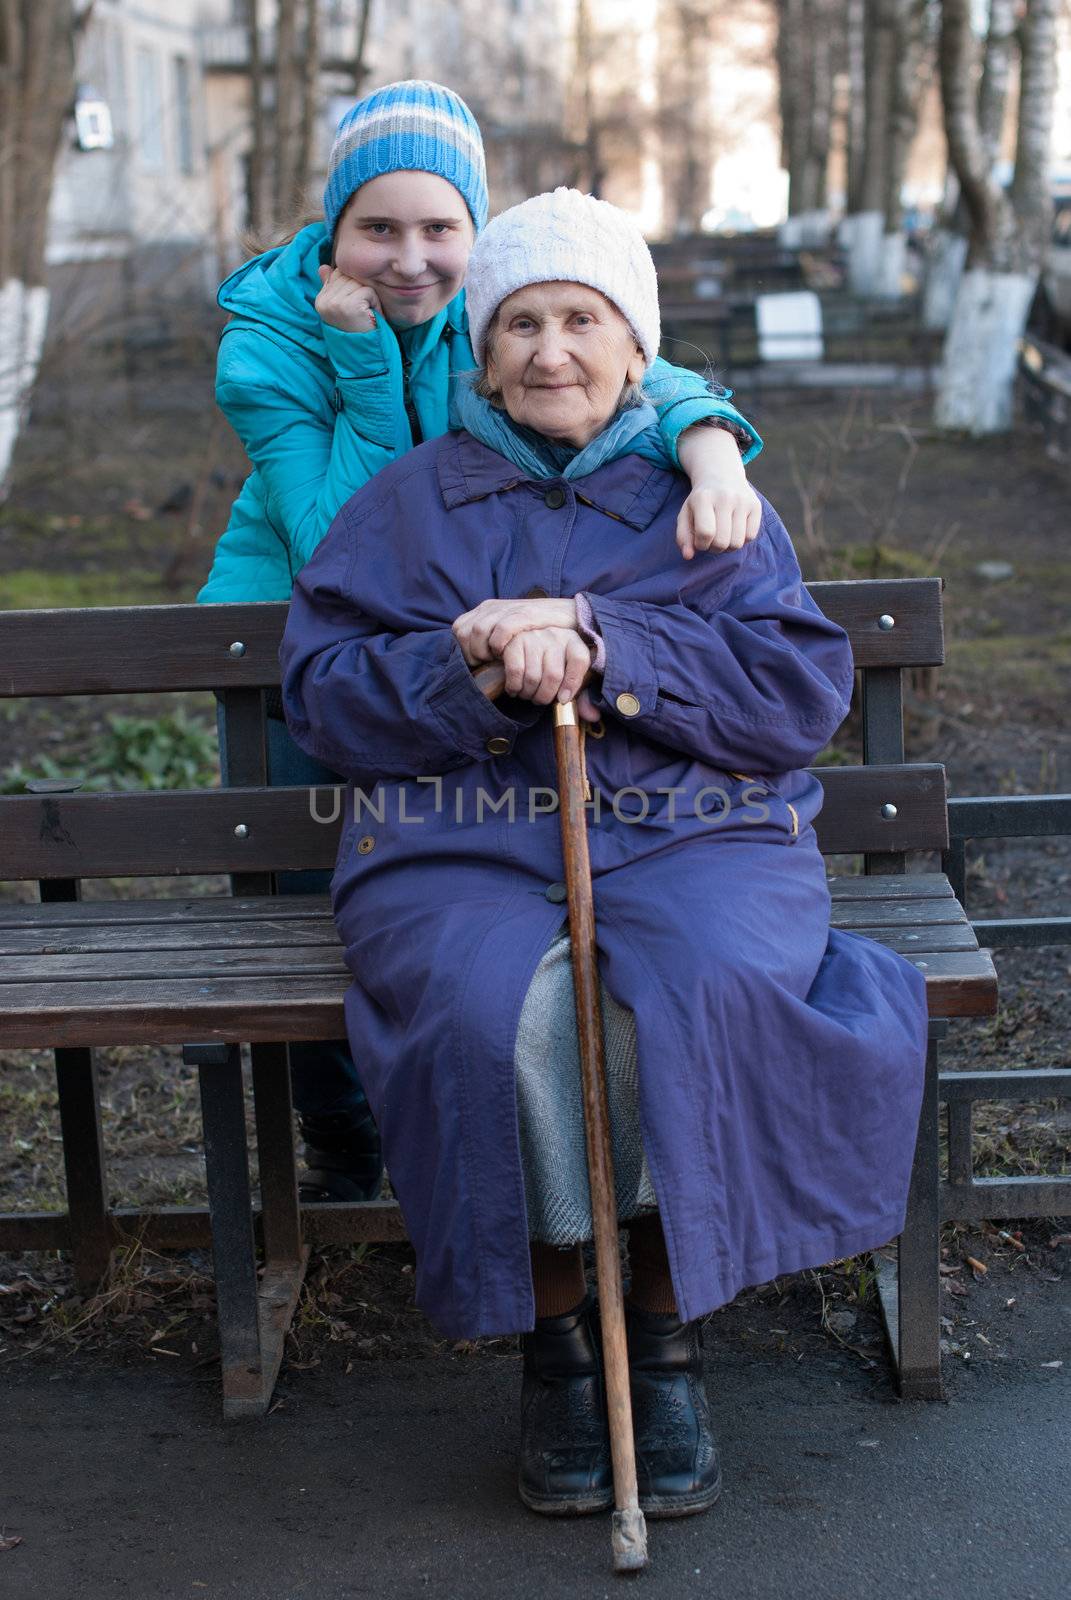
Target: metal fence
(965,1196)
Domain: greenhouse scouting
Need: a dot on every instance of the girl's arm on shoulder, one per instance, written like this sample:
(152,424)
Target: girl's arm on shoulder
(711,441)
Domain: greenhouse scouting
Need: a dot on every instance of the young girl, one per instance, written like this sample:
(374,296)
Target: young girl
(339,357)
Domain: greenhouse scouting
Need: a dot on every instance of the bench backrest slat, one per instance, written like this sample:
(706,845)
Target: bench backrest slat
(255,831)
(143,649)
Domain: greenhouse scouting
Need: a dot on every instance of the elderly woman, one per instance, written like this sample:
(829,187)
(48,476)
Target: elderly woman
(764,1072)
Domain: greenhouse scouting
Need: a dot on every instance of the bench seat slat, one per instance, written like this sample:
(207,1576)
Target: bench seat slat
(56,940)
(199,909)
(193,960)
(99,961)
(249,933)
(866,914)
(910,886)
(138,970)
(918,941)
(223,907)
(254,1009)
(233,1010)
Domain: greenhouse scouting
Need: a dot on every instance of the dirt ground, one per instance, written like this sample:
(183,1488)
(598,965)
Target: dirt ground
(123,482)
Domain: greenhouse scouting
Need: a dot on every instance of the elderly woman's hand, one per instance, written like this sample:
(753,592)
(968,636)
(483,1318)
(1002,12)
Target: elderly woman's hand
(723,512)
(485,632)
(547,664)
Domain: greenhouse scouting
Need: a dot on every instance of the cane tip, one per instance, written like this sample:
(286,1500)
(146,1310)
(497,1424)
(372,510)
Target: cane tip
(629,1541)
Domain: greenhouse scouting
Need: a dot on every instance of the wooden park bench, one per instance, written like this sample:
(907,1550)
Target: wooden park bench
(211,973)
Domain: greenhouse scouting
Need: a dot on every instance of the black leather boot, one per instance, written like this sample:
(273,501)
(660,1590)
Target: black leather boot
(565,1466)
(343,1158)
(676,1458)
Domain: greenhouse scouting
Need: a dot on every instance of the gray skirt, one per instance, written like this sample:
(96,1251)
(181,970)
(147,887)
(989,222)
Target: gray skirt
(550,1107)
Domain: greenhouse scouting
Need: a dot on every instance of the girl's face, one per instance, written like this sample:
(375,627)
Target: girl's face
(408,236)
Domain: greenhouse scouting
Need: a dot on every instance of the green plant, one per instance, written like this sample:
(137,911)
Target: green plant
(166,752)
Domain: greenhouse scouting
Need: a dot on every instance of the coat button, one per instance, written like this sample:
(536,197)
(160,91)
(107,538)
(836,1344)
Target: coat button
(498,746)
(556,893)
(554,498)
(365,845)
(628,705)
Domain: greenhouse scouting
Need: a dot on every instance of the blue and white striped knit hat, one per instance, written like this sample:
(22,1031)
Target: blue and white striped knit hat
(408,127)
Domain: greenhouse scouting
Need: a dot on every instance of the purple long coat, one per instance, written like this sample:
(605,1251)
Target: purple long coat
(780,1063)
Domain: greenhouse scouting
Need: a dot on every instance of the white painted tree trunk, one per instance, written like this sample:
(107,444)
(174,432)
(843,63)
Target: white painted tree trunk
(945,261)
(864,235)
(976,382)
(23,317)
(889,283)
(807,230)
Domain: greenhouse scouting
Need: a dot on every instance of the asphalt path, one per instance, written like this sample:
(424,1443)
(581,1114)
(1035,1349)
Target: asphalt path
(397,1480)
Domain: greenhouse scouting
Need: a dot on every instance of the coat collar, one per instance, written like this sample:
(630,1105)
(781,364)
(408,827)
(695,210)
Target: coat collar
(629,489)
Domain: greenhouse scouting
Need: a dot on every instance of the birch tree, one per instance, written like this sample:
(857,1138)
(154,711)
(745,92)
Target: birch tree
(1008,232)
(893,55)
(947,251)
(38,40)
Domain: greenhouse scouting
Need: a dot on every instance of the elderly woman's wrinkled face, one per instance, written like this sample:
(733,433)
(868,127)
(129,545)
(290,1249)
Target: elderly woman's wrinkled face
(560,355)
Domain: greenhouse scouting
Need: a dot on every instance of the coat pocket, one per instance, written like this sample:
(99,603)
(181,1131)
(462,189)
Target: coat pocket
(768,804)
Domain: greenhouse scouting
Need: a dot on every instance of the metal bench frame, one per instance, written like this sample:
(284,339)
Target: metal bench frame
(881,810)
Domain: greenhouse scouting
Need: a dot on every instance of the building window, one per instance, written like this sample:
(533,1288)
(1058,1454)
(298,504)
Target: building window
(183,115)
(150,111)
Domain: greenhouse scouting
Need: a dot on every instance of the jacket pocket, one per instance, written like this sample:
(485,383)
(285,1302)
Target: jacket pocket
(768,797)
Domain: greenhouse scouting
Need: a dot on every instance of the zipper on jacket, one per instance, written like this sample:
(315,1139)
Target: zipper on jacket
(410,405)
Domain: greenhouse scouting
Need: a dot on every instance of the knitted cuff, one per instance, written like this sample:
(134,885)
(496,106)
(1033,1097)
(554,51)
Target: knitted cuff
(588,629)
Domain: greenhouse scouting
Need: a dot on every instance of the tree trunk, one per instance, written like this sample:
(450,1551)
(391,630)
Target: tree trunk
(805,62)
(817,191)
(855,132)
(905,95)
(309,98)
(257,152)
(360,66)
(866,228)
(37,79)
(286,117)
(947,249)
(1008,233)
(996,75)
(684,112)
(1031,196)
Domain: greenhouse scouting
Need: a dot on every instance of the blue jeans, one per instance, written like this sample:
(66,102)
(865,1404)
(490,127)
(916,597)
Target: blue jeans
(323,1078)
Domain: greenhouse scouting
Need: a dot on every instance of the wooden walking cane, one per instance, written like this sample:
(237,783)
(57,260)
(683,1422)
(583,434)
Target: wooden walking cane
(629,1528)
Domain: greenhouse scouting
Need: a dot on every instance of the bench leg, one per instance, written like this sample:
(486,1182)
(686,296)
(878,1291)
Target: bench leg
(280,1213)
(285,1255)
(909,1289)
(253,1317)
(83,1160)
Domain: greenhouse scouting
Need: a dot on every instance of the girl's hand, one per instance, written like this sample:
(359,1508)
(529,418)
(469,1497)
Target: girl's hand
(485,633)
(723,512)
(546,664)
(346,304)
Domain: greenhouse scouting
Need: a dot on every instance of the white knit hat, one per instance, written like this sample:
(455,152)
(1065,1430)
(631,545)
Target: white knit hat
(565,237)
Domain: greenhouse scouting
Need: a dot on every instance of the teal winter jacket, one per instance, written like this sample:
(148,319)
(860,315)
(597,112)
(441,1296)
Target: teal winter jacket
(320,411)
